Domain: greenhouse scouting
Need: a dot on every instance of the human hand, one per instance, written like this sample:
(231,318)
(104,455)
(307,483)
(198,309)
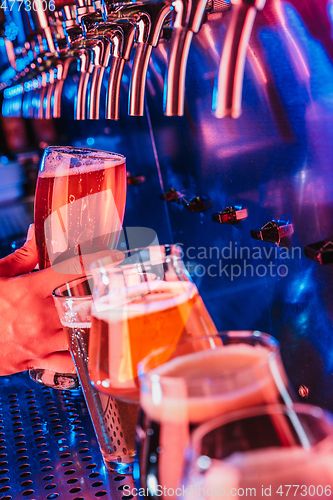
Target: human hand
(31,335)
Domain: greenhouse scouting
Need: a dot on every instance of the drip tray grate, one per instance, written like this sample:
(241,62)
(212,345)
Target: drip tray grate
(48,448)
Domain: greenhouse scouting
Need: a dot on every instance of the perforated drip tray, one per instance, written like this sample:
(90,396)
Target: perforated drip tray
(48,447)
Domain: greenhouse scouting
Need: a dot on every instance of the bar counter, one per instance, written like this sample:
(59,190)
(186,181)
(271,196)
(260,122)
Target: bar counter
(48,448)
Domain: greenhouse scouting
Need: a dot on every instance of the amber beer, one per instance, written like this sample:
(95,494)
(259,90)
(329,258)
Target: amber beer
(122,336)
(195,388)
(79,203)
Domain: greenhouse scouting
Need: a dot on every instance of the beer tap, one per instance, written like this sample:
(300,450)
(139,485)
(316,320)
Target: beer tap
(231,71)
(148,18)
(119,36)
(78,50)
(188,17)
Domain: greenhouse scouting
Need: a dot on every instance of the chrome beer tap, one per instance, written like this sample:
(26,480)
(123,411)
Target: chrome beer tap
(119,36)
(148,18)
(74,50)
(188,17)
(231,71)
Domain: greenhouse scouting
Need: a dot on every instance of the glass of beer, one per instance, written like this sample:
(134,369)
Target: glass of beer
(185,385)
(110,418)
(269,451)
(146,302)
(79,209)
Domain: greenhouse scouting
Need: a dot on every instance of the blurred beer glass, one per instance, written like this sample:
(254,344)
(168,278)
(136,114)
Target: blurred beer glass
(79,209)
(146,302)
(269,451)
(110,418)
(189,383)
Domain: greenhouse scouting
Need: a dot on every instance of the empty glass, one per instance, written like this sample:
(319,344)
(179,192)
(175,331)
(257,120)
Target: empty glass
(271,451)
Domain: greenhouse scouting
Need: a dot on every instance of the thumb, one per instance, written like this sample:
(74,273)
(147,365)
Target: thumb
(23,260)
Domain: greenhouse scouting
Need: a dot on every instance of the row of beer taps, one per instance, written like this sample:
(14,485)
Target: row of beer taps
(97,34)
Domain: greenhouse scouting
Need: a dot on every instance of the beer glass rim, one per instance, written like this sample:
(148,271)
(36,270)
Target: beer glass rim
(170,249)
(65,286)
(145,375)
(78,152)
(255,411)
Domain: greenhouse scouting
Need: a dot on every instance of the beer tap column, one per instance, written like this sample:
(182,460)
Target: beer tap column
(187,21)
(231,71)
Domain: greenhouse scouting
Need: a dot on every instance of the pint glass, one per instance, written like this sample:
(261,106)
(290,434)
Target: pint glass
(79,209)
(200,381)
(266,451)
(110,418)
(146,302)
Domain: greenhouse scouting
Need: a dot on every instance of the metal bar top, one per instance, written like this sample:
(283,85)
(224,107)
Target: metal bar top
(48,448)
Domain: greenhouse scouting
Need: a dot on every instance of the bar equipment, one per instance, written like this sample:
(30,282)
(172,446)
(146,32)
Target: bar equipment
(193,381)
(274,160)
(148,18)
(75,186)
(267,451)
(231,72)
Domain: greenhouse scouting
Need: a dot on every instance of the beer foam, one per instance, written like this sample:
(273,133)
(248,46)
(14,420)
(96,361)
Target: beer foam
(77,315)
(150,297)
(266,470)
(189,397)
(59,165)
(75,324)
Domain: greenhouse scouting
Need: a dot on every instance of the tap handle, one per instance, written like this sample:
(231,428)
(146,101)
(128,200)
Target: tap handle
(231,71)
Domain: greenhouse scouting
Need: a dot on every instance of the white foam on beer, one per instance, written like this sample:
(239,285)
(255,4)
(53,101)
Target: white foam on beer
(58,165)
(270,468)
(224,372)
(77,314)
(146,298)
(75,324)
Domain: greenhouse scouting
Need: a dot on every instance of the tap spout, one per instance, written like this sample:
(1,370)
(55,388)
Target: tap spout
(187,21)
(231,71)
(85,69)
(62,73)
(148,18)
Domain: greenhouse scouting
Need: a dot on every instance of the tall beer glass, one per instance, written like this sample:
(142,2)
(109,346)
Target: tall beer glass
(110,418)
(269,451)
(146,302)
(198,381)
(79,209)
